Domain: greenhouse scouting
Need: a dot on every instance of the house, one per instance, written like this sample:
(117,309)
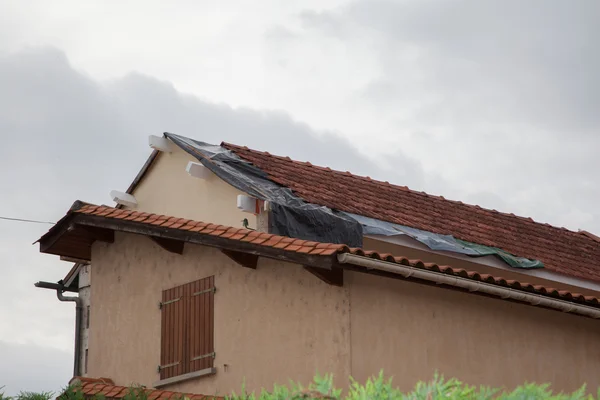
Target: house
(222,264)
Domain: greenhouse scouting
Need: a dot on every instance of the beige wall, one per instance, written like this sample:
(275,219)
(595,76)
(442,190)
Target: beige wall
(168,189)
(271,324)
(279,322)
(412,330)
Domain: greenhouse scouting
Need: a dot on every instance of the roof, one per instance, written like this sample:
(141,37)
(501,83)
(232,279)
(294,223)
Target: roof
(85,223)
(561,250)
(107,388)
(71,280)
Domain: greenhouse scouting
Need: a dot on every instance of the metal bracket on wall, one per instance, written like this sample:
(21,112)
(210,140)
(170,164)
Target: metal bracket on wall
(161,304)
(161,367)
(214,289)
(213,355)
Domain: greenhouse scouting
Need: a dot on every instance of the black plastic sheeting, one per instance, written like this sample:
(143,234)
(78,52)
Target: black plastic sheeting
(290,215)
(293,217)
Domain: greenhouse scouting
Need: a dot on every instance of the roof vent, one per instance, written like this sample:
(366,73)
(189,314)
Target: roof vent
(198,170)
(123,198)
(160,143)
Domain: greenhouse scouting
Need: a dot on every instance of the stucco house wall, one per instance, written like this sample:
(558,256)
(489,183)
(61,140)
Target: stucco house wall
(279,322)
(411,330)
(272,324)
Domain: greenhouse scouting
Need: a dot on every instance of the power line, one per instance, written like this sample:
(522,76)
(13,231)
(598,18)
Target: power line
(26,220)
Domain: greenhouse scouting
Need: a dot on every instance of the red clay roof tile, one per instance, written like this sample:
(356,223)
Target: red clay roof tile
(238,236)
(114,391)
(317,251)
(91,386)
(563,251)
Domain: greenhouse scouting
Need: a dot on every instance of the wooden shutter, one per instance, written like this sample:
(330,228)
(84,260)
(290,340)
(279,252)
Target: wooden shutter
(187,328)
(202,352)
(174,309)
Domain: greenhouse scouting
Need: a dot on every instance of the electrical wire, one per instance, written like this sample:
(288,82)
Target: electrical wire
(26,220)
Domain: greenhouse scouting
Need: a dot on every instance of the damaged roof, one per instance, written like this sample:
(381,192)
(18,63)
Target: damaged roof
(561,250)
(86,223)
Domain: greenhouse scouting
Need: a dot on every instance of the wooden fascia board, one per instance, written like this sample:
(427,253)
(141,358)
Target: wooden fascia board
(142,173)
(50,238)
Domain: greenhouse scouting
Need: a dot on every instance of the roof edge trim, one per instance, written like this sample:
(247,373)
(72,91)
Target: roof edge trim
(505,293)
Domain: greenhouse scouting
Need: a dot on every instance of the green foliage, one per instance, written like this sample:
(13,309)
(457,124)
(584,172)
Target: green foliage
(34,396)
(72,393)
(2,395)
(375,388)
(28,395)
(321,388)
(136,393)
(379,388)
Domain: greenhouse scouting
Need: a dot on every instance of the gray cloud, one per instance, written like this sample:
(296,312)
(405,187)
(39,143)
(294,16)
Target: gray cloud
(528,61)
(500,97)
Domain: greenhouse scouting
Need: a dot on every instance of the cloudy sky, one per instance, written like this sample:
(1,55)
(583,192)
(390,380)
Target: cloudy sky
(489,102)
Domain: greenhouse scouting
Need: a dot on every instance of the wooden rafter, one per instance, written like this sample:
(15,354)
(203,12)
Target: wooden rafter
(100,234)
(170,245)
(334,276)
(244,259)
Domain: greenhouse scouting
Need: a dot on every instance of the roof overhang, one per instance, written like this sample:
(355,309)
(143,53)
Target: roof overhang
(74,235)
(493,261)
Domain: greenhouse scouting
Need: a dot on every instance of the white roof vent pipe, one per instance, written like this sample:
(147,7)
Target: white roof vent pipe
(160,144)
(123,198)
(198,170)
(248,204)
(252,205)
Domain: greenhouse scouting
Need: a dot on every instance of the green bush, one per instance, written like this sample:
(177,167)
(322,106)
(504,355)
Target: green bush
(27,395)
(379,388)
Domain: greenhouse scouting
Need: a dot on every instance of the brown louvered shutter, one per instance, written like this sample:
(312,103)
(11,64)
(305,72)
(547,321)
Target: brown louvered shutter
(174,332)
(201,340)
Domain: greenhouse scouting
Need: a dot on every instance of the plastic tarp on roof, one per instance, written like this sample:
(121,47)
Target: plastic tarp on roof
(293,217)
(439,242)
(290,216)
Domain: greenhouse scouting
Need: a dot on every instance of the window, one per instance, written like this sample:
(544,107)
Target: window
(187,324)
(86,361)
(87,318)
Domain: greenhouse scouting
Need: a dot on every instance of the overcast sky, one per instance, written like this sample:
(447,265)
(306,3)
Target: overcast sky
(488,102)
